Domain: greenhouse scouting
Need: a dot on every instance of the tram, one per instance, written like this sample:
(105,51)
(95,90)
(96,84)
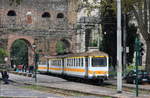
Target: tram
(89,65)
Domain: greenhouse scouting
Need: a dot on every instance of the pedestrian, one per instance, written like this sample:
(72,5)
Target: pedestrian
(5,77)
(14,66)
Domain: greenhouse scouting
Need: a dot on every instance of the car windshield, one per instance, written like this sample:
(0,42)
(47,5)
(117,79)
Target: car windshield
(99,61)
(140,72)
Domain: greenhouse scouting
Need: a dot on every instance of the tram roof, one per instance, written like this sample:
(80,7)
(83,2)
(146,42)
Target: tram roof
(93,53)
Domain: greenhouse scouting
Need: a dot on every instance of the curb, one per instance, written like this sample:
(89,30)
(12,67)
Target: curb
(21,73)
(130,87)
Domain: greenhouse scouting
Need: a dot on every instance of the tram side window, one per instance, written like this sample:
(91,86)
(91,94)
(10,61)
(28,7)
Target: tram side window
(99,62)
(82,62)
(74,62)
(77,62)
(67,62)
(58,63)
(53,63)
(71,62)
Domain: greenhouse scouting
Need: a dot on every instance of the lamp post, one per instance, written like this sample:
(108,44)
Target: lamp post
(35,62)
(6,63)
(138,56)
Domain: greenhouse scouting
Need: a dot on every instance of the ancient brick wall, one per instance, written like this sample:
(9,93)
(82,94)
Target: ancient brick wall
(47,19)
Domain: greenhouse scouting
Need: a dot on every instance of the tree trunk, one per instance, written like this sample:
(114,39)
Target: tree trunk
(148,56)
(145,35)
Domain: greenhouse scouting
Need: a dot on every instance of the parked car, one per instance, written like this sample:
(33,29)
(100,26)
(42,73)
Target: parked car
(143,76)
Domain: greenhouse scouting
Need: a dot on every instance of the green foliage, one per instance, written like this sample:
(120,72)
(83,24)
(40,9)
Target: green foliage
(132,67)
(108,8)
(3,54)
(60,47)
(93,43)
(19,52)
(131,35)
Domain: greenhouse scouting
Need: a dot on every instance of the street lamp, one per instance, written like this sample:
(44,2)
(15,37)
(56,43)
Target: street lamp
(35,62)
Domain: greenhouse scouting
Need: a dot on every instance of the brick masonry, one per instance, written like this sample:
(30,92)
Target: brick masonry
(25,22)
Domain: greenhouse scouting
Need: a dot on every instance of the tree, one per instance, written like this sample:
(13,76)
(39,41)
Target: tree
(19,52)
(107,12)
(60,47)
(140,8)
(143,19)
(3,54)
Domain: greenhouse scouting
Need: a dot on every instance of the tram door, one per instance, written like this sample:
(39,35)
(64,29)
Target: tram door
(47,62)
(86,67)
(62,62)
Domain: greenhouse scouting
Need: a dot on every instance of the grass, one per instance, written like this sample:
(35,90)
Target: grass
(60,91)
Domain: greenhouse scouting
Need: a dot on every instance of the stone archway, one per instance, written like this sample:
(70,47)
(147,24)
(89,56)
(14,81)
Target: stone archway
(28,40)
(63,46)
(67,44)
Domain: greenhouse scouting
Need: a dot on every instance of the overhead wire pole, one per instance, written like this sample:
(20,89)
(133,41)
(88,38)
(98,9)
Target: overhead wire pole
(119,48)
(124,39)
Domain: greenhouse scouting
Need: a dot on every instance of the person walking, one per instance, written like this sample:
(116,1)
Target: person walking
(5,77)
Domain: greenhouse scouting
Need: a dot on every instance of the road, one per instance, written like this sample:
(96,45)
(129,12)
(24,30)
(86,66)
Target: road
(14,90)
(53,82)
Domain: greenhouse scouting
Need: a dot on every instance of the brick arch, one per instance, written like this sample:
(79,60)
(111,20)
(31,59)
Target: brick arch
(29,41)
(67,43)
(54,42)
(13,38)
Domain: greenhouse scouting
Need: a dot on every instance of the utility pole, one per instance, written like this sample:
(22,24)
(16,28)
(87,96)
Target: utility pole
(119,48)
(124,39)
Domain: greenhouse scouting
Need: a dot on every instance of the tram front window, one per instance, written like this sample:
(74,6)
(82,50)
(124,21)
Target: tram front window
(99,62)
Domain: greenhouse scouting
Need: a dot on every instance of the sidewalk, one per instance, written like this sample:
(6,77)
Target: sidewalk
(56,82)
(141,87)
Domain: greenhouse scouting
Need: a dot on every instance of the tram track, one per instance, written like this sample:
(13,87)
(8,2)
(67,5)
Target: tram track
(113,86)
(71,92)
(59,91)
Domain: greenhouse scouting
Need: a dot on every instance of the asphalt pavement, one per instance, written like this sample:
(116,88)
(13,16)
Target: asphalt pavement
(60,83)
(14,91)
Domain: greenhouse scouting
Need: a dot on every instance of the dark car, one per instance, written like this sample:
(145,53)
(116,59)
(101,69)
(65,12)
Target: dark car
(143,76)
